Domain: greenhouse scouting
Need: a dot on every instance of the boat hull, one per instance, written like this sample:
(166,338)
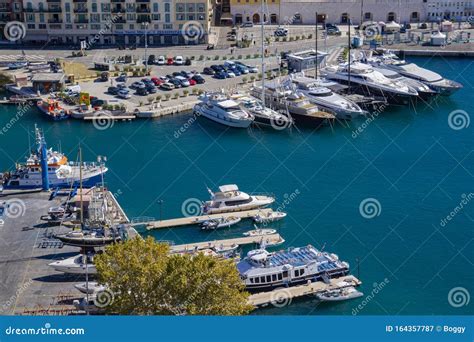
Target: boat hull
(201,110)
(58,183)
(86,242)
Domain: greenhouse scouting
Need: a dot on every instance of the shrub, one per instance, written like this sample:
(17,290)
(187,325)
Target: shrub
(140,103)
(245,79)
(216,58)
(158,98)
(185,92)
(248,57)
(195,91)
(150,99)
(239,57)
(256,55)
(252,78)
(167,96)
(175,95)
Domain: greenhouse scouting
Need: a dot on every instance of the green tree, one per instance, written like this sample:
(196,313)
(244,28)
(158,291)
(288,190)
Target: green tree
(145,279)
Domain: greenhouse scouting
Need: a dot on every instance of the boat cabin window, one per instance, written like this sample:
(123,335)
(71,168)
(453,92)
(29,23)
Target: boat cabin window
(262,279)
(238,202)
(285,274)
(280,277)
(257,280)
(319,94)
(274,277)
(269,279)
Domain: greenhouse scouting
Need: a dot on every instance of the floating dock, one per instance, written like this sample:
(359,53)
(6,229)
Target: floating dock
(269,240)
(186,221)
(286,294)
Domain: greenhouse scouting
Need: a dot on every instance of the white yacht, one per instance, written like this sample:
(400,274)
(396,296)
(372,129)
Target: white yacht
(221,109)
(263,115)
(79,264)
(295,104)
(229,198)
(370,82)
(261,270)
(434,80)
(324,97)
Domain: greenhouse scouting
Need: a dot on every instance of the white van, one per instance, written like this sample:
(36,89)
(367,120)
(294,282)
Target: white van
(74,89)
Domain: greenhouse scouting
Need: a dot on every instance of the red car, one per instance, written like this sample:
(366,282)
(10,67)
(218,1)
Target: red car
(156,81)
(192,82)
(170,61)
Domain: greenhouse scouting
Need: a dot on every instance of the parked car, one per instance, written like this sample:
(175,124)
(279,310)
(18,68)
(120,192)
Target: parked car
(281,32)
(175,82)
(187,61)
(232,38)
(198,79)
(121,86)
(230,73)
(167,86)
(142,91)
(221,75)
(161,60)
(242,68)
(229,64)
(112,90)
(251,69)
(332,29)
(187,74)
(179,60)
(217,68)
(137,84)
(184,81)
(124,94)
(192,82)
(147,81)
(177,73)
(122,78)
(170,61)
(151,59)
(247,24)
(163,78)
(208,71)
(156,81)
(151,88)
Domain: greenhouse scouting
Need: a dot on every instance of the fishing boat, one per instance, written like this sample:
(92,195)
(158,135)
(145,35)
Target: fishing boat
(90,287)
(261,270)
(220,223)
(269,217)
(260,232)
(79,264)
(61,172)
(229,198)
(220,108)
(52,109)
(338,295)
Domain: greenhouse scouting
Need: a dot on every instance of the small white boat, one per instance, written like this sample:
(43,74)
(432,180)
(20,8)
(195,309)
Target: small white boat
(91,287)
(337,295)
(220,223)
(225,250)
(268,217)
(260,232)
(79,264)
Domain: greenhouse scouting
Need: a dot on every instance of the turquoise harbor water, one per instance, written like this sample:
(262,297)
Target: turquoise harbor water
(410,161)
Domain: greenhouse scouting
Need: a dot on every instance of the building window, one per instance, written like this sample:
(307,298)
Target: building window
(132,27)
(415,16)
(31,26)
(344,18)
(391,16)
(191,8)
(180,7)
(167,18)
(179,16)
(94,7)
(167,7)
(201,8)
(155,7)
(368,16)
(190,16)
(156,16)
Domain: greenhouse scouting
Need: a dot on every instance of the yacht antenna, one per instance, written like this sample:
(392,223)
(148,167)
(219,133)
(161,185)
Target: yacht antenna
(349,54)
(262,52)
(316,49)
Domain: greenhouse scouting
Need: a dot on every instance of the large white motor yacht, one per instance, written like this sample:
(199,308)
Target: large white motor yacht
(229,198)
(79,264)
(325,98)
(369,81)
(390,61)
(220,108)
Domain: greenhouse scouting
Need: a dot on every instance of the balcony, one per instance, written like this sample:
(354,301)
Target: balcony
(55,21)
(113,1)
(118,10)
(81,21)
(55,10)
(120,21)
(53,1)
(77,1)
(143,10)
(142,1)
(81,10)
(141,20)
(5,9)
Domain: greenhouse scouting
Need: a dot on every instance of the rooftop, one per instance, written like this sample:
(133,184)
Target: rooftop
(48,77)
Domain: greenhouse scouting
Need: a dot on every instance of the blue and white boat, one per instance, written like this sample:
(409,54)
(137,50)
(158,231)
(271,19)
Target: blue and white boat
(61,172)
(261,270)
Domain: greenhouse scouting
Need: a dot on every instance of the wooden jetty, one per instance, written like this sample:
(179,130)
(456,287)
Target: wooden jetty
(286,294)
(269,240)
(185,221)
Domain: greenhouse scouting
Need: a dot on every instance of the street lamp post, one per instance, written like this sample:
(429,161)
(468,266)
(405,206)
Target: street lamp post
(160,202)
(146,47)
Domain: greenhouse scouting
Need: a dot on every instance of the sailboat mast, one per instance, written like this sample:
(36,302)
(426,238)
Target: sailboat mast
(316,49)
(349,53)
(262,52)
(80,185)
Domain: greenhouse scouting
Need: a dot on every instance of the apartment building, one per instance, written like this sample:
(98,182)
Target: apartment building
(117,22)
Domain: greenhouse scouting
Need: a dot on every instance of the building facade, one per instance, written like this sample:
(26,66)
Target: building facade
(450,10)
(117,22)
(331,11)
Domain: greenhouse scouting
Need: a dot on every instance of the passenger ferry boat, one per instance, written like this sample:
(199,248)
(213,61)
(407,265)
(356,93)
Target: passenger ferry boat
(262,271)
(61,172)
(52,109)
(229,198)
